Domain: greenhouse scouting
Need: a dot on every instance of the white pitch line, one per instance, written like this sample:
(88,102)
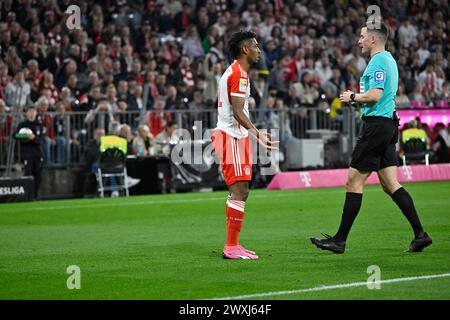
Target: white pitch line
(114,204)
(331,287)
(121,204)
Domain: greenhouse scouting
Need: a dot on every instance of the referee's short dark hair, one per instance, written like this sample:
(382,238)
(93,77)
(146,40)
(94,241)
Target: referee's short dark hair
(379,28)
(237,41)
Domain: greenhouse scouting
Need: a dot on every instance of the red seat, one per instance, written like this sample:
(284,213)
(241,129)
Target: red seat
(441,104)
(415,104)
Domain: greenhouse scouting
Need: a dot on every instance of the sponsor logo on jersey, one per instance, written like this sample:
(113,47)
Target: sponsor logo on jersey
(379,76)
(243,84)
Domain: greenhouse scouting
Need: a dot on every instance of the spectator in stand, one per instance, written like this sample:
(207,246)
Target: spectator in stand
(101,59)
(123,94)
(417,95)
(101,116)
(46,83)
(402,100)
(111,97)
(93,81)
(173,101)
(165,138)
(212,76)
(335,85)
(161,84)
(144,144)
(196,107)
(119,115)
(441,145)
(429,81)
(289,67)
(17,92)
(35,74)
(124,131)
(59,130)
(46,120)
(323,68)
(62,74)
(192,44)
(406,32)
(13,60)
(5,131)
(157,120)
(152,88)
(5,78)
(182,19)
(307,90)
(136,97)
(91,151)
(185,73)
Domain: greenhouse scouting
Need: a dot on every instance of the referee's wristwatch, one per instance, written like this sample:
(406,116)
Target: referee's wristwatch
(352,97)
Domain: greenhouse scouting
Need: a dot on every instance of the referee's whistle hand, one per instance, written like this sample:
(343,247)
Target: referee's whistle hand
(345,96)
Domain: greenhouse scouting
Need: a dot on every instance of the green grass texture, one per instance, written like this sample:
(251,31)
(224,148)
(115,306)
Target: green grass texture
(170,246)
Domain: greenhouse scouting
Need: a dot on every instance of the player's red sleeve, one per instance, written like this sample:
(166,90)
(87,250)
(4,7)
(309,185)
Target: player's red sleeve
(237,84)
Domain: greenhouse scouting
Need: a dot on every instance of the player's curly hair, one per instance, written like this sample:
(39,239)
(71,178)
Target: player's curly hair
(237,40)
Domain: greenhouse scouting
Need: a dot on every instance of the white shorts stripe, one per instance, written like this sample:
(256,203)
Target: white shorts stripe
(238,203)
(236,207)
(234,156)
(238,157)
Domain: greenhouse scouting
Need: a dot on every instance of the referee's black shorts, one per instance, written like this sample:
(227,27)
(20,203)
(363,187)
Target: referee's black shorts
(375,148)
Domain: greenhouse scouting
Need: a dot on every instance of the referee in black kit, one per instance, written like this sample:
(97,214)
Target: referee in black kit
(375,148)
(30,145)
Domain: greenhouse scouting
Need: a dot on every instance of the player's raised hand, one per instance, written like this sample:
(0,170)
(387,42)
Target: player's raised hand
(264,139)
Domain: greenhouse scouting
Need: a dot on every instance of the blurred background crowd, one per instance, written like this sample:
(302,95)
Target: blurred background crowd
(155,57)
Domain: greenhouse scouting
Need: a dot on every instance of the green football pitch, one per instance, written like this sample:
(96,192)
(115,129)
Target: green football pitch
(169,247)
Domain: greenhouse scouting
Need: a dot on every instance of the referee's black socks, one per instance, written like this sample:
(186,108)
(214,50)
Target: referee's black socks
(351,208)
(404,201)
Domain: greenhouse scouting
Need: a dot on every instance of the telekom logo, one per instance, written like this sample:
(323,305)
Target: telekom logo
(407,172)
(306,178)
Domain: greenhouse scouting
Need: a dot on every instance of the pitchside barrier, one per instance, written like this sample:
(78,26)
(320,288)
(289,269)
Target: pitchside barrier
(338,177)
(66,133)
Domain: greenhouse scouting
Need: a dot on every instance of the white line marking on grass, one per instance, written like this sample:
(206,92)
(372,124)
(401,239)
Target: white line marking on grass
(331,287)
(121,204)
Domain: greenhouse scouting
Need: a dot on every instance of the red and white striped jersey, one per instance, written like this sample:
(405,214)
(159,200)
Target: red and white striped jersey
(234,82)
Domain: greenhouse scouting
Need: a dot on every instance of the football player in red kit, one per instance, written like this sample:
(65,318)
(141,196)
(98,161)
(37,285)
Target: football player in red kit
(231,137)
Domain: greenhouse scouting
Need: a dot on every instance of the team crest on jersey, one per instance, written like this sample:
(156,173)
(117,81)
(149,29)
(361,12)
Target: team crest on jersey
(379,76)
(247,170)
(243,84)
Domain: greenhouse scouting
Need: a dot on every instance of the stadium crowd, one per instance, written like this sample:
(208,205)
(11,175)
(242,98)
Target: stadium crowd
(178,51)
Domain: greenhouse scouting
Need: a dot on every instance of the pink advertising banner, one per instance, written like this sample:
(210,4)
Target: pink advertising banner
(430,117)
(338,177)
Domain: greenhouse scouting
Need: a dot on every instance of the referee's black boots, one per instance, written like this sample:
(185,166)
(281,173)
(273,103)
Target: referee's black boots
(420,243)
(329,244)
